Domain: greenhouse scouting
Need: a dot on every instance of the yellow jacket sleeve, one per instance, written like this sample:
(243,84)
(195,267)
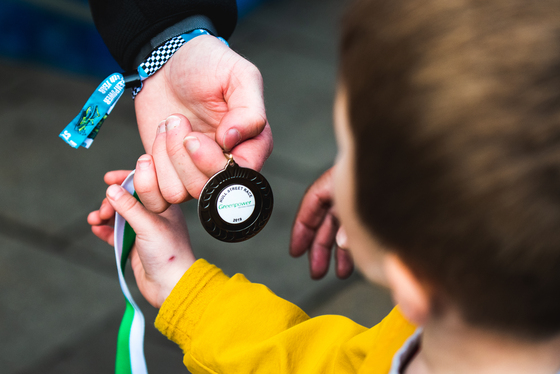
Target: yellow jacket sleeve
(230,325)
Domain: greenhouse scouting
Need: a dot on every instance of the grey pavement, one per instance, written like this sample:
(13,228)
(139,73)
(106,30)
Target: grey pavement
(60,302)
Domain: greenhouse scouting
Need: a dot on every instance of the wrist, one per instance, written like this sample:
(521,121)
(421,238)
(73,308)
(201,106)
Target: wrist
(183,27)
(159,56)
(172,276)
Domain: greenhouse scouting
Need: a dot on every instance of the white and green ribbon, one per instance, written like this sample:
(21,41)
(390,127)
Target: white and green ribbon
(130,344)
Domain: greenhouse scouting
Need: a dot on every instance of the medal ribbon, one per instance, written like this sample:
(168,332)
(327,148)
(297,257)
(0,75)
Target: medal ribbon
(130,343)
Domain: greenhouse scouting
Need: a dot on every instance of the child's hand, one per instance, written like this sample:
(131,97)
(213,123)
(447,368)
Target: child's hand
(102,220)
(162,251)
(316,230)
(145,184)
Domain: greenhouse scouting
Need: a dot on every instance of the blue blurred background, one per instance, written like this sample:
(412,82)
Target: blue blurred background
(61,34)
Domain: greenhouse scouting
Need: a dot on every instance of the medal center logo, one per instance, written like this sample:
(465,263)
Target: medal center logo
(236,203)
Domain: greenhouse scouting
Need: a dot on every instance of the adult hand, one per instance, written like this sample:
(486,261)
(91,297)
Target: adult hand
(316,231)
(221,94)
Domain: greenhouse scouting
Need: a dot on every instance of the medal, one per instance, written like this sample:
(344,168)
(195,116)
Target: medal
(235,204)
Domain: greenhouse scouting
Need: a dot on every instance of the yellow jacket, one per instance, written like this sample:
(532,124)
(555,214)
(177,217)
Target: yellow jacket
(230,325)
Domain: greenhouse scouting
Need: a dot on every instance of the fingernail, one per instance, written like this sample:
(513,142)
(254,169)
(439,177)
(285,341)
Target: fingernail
(191,143)
(115,192)
(341,238)
(161,127)
(144,162)
(172,122)
(231,138)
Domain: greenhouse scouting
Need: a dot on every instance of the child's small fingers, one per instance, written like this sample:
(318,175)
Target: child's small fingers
(321,248)
(319,260)
(105,233)
(146,185)
(314,207)
(342,238)
(116,176)
(93,218)
(301,239)
(106,211)
(131,209)
(344,263)
(105,215)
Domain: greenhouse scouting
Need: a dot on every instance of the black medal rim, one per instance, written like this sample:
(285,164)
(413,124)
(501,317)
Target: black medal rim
(207,204)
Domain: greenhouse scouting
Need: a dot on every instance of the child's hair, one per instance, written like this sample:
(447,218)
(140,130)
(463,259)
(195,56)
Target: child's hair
(454,108)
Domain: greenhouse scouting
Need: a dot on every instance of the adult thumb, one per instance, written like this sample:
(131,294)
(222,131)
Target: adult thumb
(239,124)
(246,114)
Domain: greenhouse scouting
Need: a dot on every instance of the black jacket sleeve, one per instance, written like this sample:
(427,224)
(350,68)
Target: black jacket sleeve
(127,26)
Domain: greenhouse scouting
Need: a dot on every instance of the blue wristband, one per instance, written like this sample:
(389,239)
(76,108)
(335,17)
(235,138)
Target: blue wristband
(83,129)
(162,54)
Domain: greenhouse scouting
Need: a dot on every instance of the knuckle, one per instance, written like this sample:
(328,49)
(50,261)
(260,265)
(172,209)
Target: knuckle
(158,206)
(159,145)
(174,195)
(128,203)
(144,187)
(253,72)
(258,122)
(175,150)
(195,191)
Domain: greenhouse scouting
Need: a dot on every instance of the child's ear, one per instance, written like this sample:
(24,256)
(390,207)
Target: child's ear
(407,291)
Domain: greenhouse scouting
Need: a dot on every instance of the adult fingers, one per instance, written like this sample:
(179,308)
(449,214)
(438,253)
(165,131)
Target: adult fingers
(171,187)
(252,153)
(314,206)
(208,158)
(192,178)
(116,176)
(146,185)
(239,124)
(206,155)
(246,115)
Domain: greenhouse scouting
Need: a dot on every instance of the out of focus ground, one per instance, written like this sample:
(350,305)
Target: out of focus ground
(60,303)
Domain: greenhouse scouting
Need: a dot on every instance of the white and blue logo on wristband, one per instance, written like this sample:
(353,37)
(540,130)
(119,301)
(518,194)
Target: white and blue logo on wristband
(84,128)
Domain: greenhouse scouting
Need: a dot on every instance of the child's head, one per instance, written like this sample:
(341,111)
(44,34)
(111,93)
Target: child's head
(453,111)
